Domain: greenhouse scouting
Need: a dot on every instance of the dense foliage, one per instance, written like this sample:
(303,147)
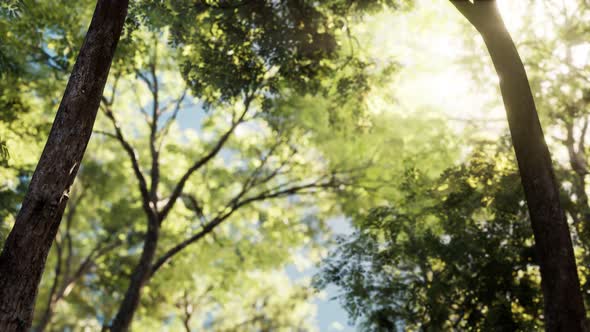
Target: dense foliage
(453,253)
(241,130)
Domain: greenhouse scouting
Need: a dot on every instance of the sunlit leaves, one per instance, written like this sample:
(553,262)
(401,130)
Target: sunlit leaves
(462,261)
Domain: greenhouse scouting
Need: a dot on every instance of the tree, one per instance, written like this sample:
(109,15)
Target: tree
(262,302)
(9,10)
(61,60)
(30,82)
(455,253)
(26,248)
(93,259)
(273,165)
(562,99)
(245,54)
(91,232)
(259,234)
(556,65)
(211,189)
(564,306)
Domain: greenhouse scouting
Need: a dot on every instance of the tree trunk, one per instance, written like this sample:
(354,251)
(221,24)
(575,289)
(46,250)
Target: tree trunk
(563,303)
(23,258)
(140,276)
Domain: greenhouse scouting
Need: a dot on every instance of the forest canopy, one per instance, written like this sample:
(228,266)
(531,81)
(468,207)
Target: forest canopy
(294,165)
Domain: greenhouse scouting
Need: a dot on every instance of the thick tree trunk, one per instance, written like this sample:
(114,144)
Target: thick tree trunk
(140,276)
(564,306)
(23,258)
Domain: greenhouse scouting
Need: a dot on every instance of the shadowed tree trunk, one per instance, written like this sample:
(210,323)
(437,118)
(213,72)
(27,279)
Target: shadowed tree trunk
(563,303)
(139,278)
(23,258)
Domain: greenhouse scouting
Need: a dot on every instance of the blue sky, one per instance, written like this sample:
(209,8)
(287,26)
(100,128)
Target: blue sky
(331,316)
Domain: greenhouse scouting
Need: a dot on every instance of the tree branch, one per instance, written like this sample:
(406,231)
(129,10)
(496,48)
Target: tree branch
(89,261)
(155,154)
(234,205)
(582,142)
(134,161)
(476,12)
(166,127)
(177,191)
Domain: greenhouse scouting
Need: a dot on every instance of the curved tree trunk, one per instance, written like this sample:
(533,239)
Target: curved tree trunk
(140,276)
(564,306)
(23,258)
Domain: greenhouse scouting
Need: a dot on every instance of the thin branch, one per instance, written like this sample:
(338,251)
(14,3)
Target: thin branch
(90,260)
(194,206)
(111,101)
(48,312)
(221,5)
(106,133)
(277,171)
(177,191)
(54,296)
(188,311)
(134,161)
(582,141)
(251,181)
(234,205)
(68,235)
(155,155)
(145,79)
(143,111)
(52,61)
(576,158)
(166,127)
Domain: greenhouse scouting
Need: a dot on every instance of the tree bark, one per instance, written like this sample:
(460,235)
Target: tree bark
(23,258)
(563,304)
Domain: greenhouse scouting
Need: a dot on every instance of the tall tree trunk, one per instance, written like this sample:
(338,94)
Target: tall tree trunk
(23,258)
(140,276)
(563,303)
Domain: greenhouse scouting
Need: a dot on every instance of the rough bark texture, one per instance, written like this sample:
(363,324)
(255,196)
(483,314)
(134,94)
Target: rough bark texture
(23,258)
(563,303)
